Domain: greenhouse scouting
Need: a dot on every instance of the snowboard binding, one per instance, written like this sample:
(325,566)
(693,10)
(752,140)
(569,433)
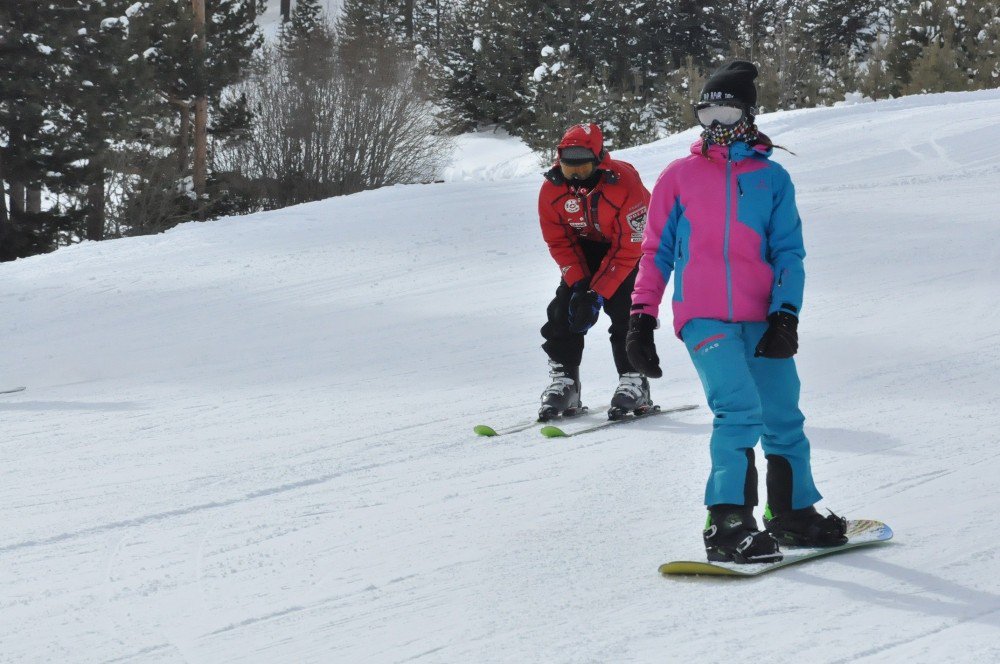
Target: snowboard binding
(731,536)
(806,527)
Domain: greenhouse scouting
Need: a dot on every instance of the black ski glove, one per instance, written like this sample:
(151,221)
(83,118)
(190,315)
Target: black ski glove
(584,308)
(639,345)
(781,340)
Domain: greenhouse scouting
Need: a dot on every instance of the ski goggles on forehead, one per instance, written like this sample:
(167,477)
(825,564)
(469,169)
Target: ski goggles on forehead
(725,114)
(577,155)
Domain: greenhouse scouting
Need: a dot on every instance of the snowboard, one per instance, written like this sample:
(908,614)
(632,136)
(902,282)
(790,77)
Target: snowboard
(13,390)
(863,532)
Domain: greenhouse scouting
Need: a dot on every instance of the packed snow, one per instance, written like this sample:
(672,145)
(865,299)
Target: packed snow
(251,440)
(490,154)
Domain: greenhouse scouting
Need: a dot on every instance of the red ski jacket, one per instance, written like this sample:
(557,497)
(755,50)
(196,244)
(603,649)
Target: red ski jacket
(614,212)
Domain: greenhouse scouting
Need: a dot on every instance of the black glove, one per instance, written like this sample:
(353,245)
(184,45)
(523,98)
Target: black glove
(639,345)
(584,308)
(781,340)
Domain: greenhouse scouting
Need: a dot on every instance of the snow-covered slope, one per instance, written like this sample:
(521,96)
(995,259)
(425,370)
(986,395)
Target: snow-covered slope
(250,440)
(491,154)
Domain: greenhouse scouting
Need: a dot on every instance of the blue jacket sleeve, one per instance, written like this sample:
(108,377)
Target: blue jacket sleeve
(785,248)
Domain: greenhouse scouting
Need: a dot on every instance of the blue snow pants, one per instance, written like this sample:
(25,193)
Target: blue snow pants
(752,398)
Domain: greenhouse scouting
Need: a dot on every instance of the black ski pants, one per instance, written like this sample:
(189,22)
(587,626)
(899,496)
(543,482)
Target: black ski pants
(566,347)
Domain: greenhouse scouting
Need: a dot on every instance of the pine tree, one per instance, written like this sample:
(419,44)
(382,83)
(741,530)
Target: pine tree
(554,90)
(482,69)
(985,44)
(307,22)
(936,36)
(430,21)
(405,22)
(109,101)
(306,40)
(976,43)
(745,24)
(936,70)
(32,64)
(672,98)
(789,71)
(379,23)
(846,27)
(29,61)
(183,73)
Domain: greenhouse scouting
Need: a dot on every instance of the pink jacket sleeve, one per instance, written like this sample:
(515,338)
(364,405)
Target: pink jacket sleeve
(657,259)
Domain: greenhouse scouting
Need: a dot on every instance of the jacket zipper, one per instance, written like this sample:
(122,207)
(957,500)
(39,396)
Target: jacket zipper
(587,217)
(725,247)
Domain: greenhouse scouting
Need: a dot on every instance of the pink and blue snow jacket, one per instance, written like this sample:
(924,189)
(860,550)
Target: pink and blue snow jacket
(727,227)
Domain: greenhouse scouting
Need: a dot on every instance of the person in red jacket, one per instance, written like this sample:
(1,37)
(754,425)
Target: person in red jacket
(592,210)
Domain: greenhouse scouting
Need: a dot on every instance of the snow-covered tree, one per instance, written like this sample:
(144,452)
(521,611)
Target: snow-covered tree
(483,66)
(306,40)
(847,28)
(409,22)
(184,73)
(554,93)
(945,45)
(790,73)
(108,101)
(30,61)
(331,117)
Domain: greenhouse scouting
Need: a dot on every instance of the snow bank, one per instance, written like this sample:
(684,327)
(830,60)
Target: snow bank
(490,155)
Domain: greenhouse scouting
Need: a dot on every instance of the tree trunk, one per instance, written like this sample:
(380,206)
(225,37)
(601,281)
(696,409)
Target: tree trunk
(16,199)
(95,203)
(184,144)
(4,218)
(286,11)
(200,170)
(34,204)
(408,19)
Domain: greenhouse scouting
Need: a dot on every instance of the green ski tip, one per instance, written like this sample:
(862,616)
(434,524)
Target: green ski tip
(484,430)
(553,432)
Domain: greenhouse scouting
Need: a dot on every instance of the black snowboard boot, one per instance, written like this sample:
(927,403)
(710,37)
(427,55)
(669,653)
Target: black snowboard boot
(562,396)
(632,395)
(731,536)
(806,527)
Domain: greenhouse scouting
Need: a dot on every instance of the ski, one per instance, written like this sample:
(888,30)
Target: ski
(488,431)
(13,390)
(864,532)
(556,432)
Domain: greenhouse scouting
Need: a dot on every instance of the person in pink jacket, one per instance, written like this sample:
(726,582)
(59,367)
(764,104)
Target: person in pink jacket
(723,222)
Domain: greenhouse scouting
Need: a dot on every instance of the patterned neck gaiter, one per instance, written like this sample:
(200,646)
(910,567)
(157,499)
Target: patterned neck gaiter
(744,130)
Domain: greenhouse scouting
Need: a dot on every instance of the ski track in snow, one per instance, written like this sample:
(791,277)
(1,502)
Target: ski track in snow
(250,440)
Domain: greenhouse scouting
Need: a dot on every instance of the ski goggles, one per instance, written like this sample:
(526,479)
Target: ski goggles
(577,155)
(725,114)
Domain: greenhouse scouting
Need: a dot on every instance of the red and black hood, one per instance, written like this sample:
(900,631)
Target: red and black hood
(587,136)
